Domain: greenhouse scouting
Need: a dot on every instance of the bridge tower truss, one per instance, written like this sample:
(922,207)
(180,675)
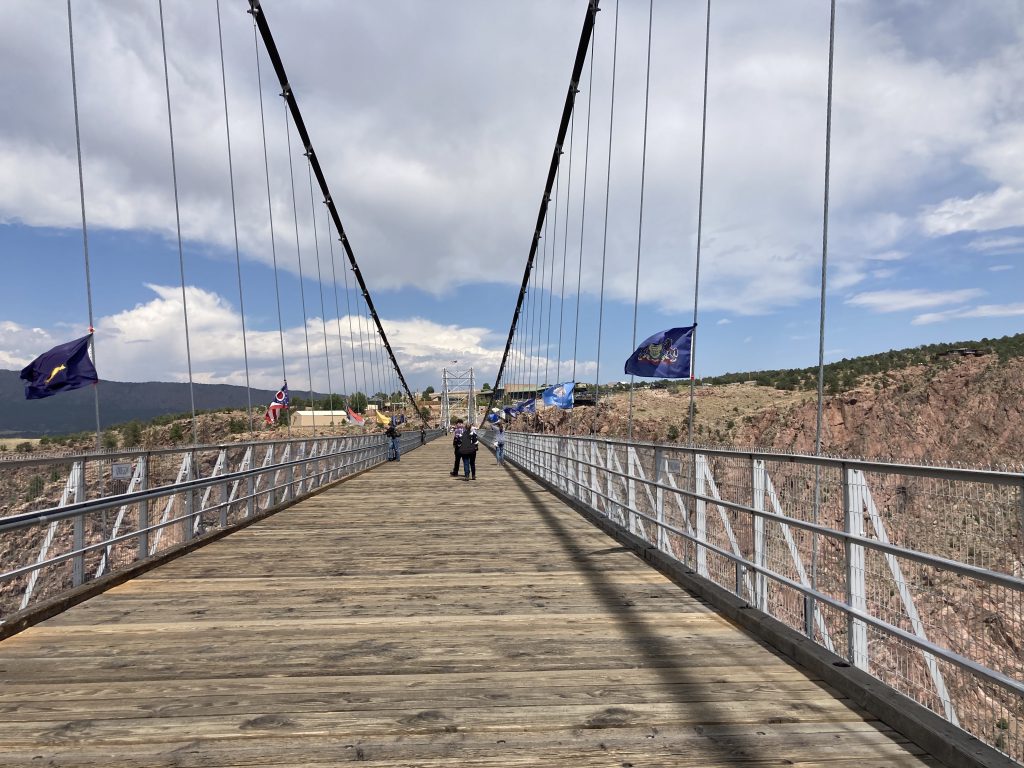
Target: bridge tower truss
(458,395)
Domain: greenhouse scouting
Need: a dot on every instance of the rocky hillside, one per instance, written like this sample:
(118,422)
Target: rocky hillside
(962,411)
(970,412)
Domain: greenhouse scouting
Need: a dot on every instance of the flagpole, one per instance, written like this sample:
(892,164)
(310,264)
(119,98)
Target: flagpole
(85,230)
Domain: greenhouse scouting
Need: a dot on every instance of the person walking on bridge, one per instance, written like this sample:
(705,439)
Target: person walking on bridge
(393,434)
(499,445)
(455,446)
(468,444)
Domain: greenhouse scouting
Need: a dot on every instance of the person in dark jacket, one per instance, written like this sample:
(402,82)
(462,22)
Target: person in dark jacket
(468,445)
(395,446)
(455,446)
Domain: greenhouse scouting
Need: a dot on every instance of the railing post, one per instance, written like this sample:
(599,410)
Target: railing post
(609,450)
(144,508)
(659,499)
(225,496)
(701,514)
(757,484)
(189,498)
(631,460)
(593,483)
(78,563)
(856,593)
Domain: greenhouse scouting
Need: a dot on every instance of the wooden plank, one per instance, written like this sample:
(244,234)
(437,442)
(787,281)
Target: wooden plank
(409,618)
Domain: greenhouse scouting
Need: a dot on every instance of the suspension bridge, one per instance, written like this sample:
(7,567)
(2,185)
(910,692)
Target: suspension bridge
(591,601)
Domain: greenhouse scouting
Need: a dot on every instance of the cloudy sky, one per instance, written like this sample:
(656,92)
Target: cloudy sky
(434,122)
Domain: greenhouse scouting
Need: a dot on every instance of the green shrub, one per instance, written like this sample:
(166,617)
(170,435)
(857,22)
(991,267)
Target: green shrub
(35,487)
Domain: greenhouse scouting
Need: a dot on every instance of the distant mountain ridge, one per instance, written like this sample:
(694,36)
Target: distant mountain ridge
(120,402)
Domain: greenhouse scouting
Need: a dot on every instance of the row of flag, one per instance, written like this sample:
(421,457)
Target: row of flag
(665,355)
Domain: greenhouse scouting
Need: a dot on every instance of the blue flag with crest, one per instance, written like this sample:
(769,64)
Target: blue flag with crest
(665,355)
(559,395)
(63,368)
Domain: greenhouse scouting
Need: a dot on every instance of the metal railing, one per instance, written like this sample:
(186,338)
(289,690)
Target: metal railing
(71,519)
(911,573)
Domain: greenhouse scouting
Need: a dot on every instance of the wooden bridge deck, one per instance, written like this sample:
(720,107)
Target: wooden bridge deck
(406,618)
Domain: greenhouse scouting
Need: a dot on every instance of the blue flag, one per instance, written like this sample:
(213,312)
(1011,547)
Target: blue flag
(559,395)
(510,413)
(527,406)
(664,355)
(63,368)
(493,418)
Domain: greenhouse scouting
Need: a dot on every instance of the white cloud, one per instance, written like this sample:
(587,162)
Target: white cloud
(1000,268)
(999,209)
(981,311)
(724,321)
(133,344)
(914,298)
(437,152)
(997,244)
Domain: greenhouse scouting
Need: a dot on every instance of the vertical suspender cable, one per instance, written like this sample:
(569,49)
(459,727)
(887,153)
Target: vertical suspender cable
(320,284)
(565,238)
(177,218)
(824,232)
(298,254)
(540,299)
(337,314)
(640,223)
(351,335)
(300,126)
(85,230)
(362,354)
(583,209)
(700,222)
(551,284)
(234,219)
(577,69)
(809,628)
(270,210)
(607,195)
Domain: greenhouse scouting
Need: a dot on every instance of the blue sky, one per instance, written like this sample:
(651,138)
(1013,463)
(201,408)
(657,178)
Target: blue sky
(435,126)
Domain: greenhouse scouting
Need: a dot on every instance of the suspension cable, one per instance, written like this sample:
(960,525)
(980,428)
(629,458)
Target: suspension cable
(351,336)
(362,356)
(821,321)
(298,254)
(551,283)
(177,218)
(234,218)
(824,230)
(700,224)
(565,243)
(640,223)
(540,297)
(85,229)
(581,54)
(583,209)
(270,211)
(337,315)
(300,126)
(320,284)
(607,196)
